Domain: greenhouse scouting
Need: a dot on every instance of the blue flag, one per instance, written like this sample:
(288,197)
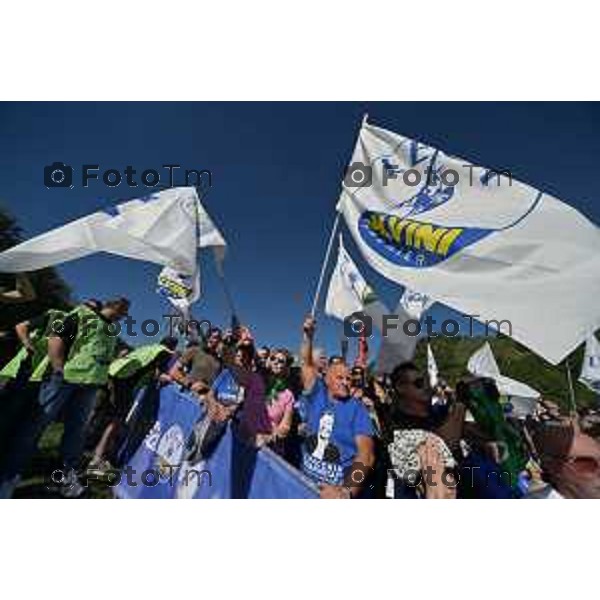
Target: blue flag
(159,467)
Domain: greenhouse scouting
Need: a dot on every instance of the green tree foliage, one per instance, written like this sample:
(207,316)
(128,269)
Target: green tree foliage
(51,290)
(514,360)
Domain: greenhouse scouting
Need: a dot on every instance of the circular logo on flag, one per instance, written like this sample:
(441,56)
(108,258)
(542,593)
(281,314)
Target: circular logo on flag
(170,450)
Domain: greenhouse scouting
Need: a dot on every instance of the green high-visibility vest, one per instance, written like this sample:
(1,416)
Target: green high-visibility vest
(92,350)
(136,361)
(39,359)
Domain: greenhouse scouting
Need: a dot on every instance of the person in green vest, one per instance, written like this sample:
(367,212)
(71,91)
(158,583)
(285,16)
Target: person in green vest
(80,350)
(33,335)
(128,376)
(22,375)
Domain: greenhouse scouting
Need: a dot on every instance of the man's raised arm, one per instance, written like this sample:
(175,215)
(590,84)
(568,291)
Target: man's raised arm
(309,368)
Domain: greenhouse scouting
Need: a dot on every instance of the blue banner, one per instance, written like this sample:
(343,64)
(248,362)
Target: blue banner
(152,469)
(238,470)
(234,469)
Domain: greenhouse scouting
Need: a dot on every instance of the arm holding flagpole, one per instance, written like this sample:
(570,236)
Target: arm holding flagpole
(309,368)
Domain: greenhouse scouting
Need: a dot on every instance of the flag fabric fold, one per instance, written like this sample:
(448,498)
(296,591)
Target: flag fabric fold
(182,290)
(415,303)
(396,346)
(483,364)
(165,228)
(590,369)
(432,369)
(348,291)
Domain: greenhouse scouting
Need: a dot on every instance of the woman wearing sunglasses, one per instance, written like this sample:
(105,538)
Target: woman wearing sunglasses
(279,398)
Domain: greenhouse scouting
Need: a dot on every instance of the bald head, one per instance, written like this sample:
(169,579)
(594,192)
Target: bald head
(338,381)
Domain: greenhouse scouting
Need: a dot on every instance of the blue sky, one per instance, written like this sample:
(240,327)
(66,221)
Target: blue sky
(276,171)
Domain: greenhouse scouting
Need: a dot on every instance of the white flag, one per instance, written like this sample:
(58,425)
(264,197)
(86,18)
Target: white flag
(475,241)
(162,228)
(182,290)
(179,289)
(415,303)
(432,369)
(348,291)
(396,346)
(210,236)
(483,364)
(590,370)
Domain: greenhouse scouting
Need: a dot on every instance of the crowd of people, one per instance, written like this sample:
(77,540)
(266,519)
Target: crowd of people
(354,433)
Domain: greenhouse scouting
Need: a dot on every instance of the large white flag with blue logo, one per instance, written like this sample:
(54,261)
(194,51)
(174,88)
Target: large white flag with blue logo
(475,240)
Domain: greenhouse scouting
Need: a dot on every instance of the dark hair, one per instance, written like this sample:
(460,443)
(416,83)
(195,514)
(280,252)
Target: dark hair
(288,357)
(333,358)
(399,372)
(266,348)
(93,303)
(169,342)
(122,345)
(118,303)
(552,440)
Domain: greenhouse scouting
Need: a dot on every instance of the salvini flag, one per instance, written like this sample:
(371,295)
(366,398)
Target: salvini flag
(474,239)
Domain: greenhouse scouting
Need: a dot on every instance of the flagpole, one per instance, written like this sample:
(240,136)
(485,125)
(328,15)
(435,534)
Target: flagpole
(219,267)
(228,296)
(324,265)
(313,310)
(571,390)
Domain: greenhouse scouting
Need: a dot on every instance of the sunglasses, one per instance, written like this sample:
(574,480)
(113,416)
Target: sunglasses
(278,361)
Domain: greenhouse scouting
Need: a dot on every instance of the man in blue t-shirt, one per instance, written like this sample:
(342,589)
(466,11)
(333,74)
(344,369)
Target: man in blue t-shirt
(338,450)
